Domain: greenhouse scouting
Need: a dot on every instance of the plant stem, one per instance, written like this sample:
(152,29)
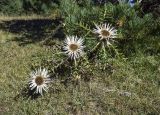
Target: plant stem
(94,50)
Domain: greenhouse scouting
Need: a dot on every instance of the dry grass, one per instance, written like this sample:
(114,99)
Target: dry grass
(131,88)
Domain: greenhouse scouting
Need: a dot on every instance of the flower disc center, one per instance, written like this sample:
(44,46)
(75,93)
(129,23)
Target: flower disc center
(105,33)
(39,80)
(73,47)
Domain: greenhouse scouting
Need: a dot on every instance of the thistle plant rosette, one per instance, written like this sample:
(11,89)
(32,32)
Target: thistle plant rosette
(106,33)
(73,47)
(39,80)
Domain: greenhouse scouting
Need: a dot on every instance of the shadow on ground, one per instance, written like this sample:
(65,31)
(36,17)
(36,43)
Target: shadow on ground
(26,93)
(31,31)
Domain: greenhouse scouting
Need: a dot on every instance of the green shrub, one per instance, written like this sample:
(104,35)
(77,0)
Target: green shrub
(138,32)
(27,6)
(11,6)
(40,6)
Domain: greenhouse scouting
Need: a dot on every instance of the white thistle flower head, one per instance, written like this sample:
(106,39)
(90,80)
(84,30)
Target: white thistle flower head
(73,47)
(105,32)
(39,80)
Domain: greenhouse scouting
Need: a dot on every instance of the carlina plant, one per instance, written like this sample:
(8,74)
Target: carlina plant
(106,35)
(39,80)
(73,47)
(76,22)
